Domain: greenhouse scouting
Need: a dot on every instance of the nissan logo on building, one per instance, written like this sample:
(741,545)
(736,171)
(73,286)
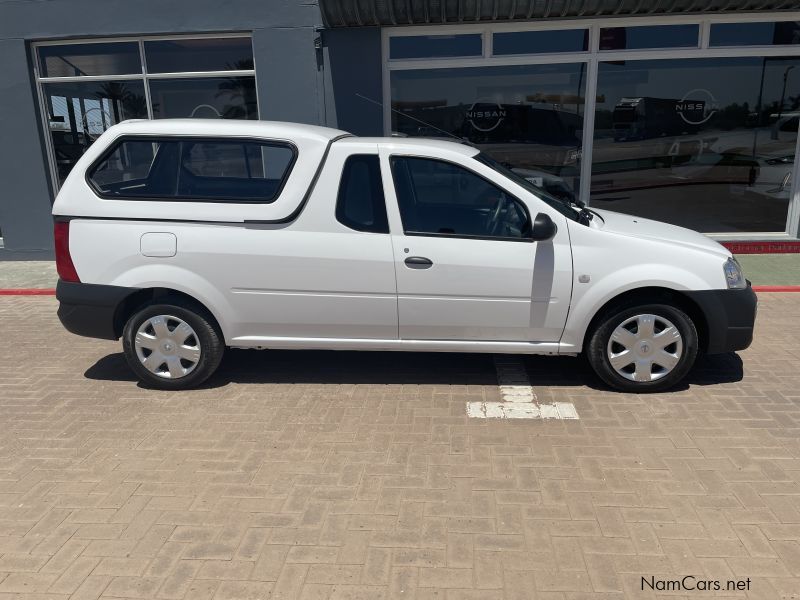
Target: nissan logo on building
(485,116)
(697,106)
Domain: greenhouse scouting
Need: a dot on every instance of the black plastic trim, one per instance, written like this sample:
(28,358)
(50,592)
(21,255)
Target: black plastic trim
(730,316)
(89,309)
(418,262)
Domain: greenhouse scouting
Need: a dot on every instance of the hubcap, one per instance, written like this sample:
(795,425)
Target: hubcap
(645,348)
(167,347)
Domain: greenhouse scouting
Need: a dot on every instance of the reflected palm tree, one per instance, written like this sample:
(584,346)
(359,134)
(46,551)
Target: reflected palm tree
(239,93)
(125,103)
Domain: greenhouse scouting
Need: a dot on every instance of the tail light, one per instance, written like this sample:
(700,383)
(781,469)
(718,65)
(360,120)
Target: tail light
(64,265)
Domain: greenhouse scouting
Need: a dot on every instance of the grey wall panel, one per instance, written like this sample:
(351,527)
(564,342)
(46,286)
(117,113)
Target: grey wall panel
(25,191)
(286,74)
(80,18)
(353,80)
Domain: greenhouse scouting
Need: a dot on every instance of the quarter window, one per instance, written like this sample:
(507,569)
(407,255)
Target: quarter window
(440,198)
(194,170)
(360,204)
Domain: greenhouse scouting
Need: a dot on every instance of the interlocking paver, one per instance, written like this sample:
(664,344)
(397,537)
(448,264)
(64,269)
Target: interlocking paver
(342,475)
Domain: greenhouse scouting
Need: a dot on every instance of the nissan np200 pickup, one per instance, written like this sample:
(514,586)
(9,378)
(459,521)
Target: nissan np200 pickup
(184,237)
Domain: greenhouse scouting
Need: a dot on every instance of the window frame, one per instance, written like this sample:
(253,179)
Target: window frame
(338,204)
(195,138)
(529,222)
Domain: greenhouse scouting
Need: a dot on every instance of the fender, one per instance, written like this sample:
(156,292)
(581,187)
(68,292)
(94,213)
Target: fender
(587,301)
(182,280)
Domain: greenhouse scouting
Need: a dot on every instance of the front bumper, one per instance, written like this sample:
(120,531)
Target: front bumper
(90,310)
(730,316)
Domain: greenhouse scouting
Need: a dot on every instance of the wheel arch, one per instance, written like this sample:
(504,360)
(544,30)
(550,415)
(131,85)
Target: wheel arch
(138,298)
(650,294)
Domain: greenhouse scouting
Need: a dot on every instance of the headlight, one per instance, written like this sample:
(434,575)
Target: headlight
(733,274)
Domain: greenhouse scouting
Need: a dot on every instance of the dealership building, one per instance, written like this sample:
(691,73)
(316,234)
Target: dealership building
(684,111)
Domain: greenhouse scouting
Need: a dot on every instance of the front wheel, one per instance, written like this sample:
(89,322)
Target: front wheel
(647,348)
(172,345)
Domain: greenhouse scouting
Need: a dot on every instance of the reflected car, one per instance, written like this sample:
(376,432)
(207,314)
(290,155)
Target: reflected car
(552,184)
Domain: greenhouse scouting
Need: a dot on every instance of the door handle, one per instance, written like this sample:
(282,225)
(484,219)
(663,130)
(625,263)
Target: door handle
(418,262)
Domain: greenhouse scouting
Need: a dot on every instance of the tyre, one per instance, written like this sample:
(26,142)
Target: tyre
(171,344)
(644,348)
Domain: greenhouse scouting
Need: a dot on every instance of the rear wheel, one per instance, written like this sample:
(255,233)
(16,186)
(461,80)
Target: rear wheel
(646,348)
(172,345)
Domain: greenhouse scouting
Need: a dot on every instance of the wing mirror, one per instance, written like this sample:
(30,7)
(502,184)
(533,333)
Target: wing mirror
(543,228)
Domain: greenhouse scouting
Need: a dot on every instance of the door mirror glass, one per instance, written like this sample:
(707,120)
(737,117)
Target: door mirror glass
(543,228)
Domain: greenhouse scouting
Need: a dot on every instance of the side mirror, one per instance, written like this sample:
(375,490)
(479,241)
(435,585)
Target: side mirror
(543,228)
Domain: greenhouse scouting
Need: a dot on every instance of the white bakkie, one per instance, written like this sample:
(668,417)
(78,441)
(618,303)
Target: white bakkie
(185,237)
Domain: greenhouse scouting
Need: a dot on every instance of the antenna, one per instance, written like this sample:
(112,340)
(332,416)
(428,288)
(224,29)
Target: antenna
(394,110)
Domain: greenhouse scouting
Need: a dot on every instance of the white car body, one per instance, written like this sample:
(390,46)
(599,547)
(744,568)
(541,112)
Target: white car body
(289,275)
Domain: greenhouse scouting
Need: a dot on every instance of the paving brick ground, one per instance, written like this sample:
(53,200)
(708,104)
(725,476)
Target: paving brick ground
(343,475)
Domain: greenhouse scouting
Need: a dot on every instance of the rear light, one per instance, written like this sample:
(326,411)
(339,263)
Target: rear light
(64,265)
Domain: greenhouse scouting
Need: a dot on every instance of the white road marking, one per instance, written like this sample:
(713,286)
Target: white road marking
(518,397)
(521,410)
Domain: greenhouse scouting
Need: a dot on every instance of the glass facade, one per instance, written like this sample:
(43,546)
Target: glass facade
(707,143)
(528,116)
(674,134)
(88,87)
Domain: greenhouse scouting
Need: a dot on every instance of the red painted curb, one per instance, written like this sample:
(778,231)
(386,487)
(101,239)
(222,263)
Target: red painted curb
(764,247)
(776,288)
(27,292)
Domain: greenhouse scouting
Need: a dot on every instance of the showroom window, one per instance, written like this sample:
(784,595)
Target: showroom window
(86,87)
(706,143)
(689,119)
(528,116)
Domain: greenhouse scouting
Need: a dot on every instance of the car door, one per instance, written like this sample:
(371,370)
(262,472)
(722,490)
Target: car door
(327,275)
(466,266)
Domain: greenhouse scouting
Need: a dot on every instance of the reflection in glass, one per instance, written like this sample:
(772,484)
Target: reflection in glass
(235,171)
(203,54)
(539,42)
(704,143)
(528,116)
(650,36)
(206,98)
(780,33)
(435,46)
(79,112)
(74,60)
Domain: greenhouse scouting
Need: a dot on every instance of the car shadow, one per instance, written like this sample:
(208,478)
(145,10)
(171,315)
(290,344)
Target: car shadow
(383,368)
(560,371)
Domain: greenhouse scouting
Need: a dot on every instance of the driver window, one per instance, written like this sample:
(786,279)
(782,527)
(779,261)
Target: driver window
(440,198)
